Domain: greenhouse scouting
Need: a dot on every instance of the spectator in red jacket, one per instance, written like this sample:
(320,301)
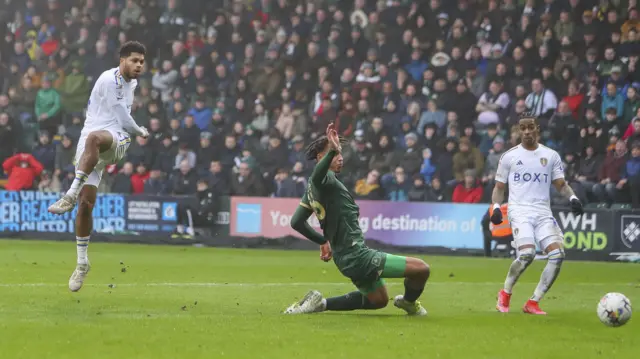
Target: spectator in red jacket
(22,170)
(610,172)
(468,191)
(138,178)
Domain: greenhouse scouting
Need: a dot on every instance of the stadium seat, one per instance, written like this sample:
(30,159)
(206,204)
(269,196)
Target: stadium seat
(619,206)
(596,205)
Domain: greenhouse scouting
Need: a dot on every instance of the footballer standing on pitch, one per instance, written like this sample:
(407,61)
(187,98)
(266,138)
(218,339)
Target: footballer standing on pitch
(343,240)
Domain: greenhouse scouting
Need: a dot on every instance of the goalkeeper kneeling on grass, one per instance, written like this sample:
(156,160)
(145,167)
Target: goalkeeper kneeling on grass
(343,240)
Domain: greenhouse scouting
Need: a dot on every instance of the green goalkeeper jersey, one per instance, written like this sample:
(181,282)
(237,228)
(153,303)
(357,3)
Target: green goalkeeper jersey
(334,207)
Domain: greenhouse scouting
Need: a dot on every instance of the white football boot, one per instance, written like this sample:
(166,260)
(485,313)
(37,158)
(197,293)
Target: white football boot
(311,303)
(63,205)
(414,308)
(78,276)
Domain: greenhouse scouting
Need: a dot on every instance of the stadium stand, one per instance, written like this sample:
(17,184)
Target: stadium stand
(427,92)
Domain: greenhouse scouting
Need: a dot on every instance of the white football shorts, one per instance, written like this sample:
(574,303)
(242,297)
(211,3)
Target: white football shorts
(533,228)
(119,146)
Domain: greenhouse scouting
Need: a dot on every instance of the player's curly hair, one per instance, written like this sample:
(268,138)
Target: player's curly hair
(528,115)
(130,47)
(318,145)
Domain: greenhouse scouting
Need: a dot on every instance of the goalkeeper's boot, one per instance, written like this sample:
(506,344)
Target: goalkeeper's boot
(504,299)
(412,308)
(63,205)
(78,276)
(311,303)
(532,307)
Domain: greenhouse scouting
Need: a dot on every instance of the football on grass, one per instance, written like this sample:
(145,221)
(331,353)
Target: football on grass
(614,309)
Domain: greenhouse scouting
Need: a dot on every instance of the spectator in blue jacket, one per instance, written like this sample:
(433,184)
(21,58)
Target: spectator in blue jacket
(612,99)
(398,188)
(417,66)
(201,114)
(631,175)
(428,168)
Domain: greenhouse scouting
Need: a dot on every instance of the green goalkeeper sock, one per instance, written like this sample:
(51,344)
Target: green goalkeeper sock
(411,294)
(350,301)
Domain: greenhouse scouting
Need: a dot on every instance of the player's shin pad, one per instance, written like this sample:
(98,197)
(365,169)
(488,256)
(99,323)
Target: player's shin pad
(549,274)
(525,258)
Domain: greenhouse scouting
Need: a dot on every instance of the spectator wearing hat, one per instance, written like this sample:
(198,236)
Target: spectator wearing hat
(566,59)
(48,107)
(469,190)
(612,99)
(469,157)
(609,174)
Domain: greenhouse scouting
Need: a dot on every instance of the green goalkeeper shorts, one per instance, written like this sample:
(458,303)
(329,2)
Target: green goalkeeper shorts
(367,267)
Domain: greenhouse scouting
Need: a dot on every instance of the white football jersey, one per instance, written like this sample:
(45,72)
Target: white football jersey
(110,89)
(529,175)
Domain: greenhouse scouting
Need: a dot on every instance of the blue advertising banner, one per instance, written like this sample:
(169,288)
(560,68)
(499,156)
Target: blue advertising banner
(403,224)
(26,211)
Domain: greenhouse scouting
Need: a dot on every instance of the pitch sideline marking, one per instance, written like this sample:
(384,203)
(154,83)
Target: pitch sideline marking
(292,284)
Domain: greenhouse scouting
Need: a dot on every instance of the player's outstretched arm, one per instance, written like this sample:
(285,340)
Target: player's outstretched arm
(300,224)
(567,192)
(322,168)
(127,122)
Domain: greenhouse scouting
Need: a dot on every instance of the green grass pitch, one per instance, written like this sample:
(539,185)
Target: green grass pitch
(185,302)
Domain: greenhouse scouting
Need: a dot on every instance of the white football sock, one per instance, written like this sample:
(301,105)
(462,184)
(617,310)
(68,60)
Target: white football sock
(525,258)
(82,244)
(180,229)
(77,184)
(549,274)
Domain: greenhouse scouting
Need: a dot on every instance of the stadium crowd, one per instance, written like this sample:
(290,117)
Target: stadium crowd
(428,93)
